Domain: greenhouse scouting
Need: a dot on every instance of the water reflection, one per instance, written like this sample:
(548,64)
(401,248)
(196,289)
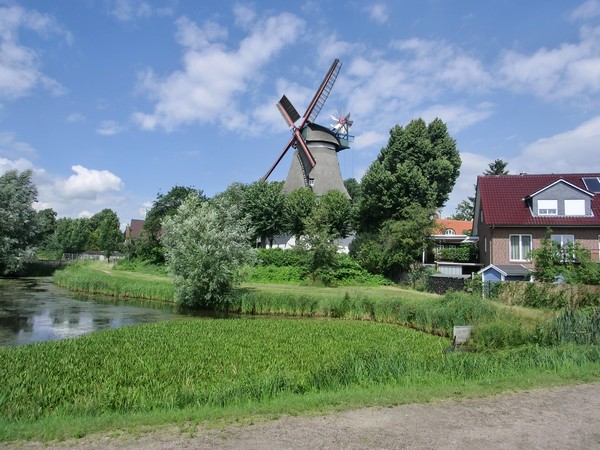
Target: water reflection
(34,310)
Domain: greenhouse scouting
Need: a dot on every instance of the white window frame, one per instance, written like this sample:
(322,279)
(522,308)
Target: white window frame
(449,231)
(547,207)
(562,239)
(520,256)
(575,207)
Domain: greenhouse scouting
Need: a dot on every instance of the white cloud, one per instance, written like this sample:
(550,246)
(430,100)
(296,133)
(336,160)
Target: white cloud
(378,12)
(20,65)
(369,139)
(587,10)
(130,10)
(572,151)
(12,148)
(458,117)
(109,128)
(75,118)
(472,165)
(205,90)
(566,71)
(88,183)
(244,15)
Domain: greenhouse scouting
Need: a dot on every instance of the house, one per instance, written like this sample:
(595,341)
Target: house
(134,230)
(513,213)
(450,233)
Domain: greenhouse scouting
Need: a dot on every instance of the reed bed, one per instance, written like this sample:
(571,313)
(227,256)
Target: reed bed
(195,363)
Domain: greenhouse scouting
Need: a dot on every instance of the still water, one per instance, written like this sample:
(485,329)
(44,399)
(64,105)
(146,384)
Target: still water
(35,310)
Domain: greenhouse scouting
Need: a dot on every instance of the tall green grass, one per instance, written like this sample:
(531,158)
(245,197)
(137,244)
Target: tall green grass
(103,281)
(437,315)
(194,363)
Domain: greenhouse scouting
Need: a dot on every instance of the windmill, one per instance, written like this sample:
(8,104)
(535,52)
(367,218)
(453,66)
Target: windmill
(315,162)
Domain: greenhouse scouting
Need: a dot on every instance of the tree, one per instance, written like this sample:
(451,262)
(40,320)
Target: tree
(394,248)
(46,219)
(164,206)
(106,234)
(264,204)
(298,206)
(205,246)
(71,235)
(333,214)
(572,261)
(419,166)
(465,210)
(498,167)
(353,188)
(19,227)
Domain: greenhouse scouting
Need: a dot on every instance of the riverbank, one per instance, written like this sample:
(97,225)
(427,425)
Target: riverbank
(222,371)
(549,418)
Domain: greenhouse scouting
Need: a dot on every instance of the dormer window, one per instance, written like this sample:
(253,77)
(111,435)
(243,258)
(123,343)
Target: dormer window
(547,207)
(449,231)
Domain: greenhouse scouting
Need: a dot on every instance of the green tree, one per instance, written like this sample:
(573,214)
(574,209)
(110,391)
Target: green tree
(572,261)
(498,167)
(46,219)
(164,206)
(353,188)
(333,214)
(465,210)
(318,244)
(419,166)
(19,227)
(71,235)
(105,234)
(205,246)
(264,204)
(298,206)
(397,245)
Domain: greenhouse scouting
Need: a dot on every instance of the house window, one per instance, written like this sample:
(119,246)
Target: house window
(574,207)
(547,207)
(449,231)
(520,247)
(562,239)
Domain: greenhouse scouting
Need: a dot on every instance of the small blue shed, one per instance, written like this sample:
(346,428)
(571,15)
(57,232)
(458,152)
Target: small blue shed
(517,272)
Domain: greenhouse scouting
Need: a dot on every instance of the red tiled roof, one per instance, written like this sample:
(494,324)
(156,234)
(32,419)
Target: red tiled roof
(502,199)
(459,226)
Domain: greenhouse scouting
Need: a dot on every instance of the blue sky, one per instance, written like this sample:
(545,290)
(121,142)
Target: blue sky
(110,102)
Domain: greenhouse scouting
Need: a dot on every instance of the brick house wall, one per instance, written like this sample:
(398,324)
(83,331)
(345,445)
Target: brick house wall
(497,240)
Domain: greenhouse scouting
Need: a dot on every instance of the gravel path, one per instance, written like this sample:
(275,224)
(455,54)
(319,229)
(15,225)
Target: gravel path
(565,417)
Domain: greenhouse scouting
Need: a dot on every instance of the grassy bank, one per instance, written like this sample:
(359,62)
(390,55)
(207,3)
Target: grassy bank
(498,326)
(202,369)
(97,278)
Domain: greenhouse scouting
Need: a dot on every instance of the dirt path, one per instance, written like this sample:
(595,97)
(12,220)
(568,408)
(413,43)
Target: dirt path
(558,418)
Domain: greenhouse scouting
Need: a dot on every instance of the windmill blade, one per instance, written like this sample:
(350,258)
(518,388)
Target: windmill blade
(287,110)
(322,93)
(304,147)
(285,149)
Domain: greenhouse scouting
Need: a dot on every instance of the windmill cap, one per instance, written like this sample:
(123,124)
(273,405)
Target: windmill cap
(317,133)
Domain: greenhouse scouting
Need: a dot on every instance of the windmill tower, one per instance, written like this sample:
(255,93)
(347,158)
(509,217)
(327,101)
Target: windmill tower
(315,162)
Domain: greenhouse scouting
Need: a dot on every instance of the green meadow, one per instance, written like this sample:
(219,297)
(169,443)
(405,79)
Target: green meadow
(344,348)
